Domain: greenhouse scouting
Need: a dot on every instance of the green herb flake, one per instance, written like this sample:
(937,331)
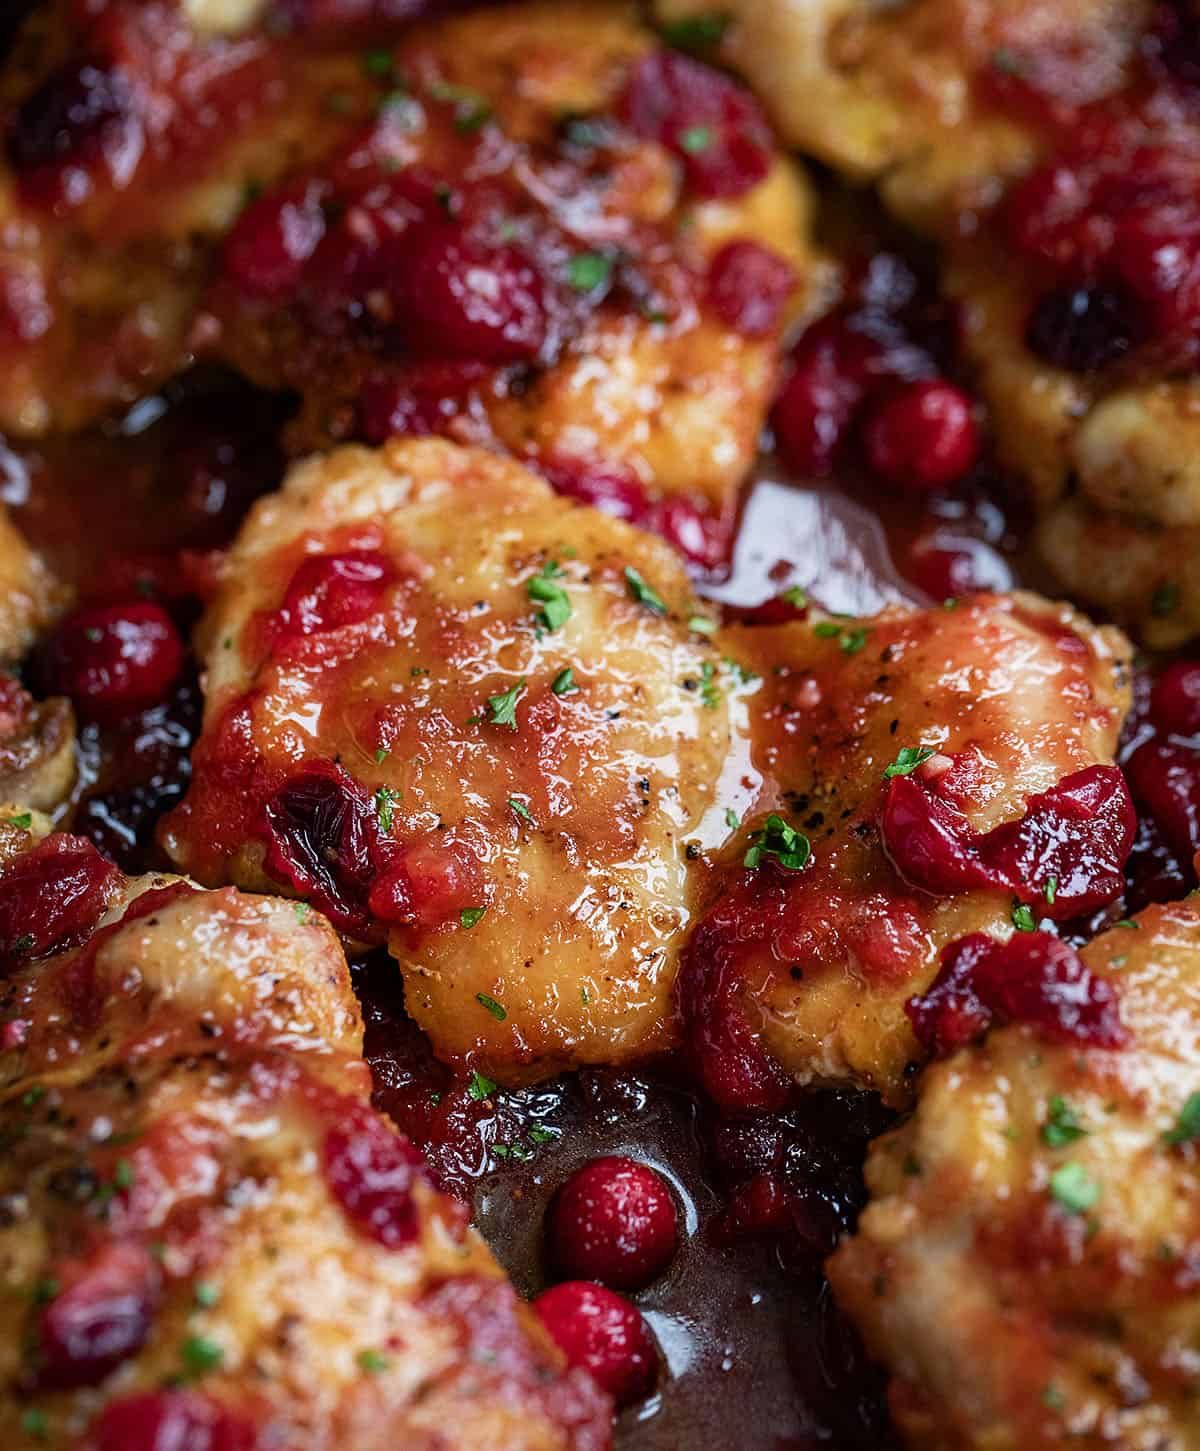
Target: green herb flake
(1022,918)
(564,683)
(470,915)
(702,625)
(22,822)
(373,1361)
(1053,1398)
(1128,922)
(206,1294)
(695,139)
(496,1009)
(381,755)
(732,820)
(790,848)
(545,590)
(541,1135)
(471,110)
(200,1354)
(377,62)
(385,797)
(35,1422)
(796,597)
(123,1174)
(480,1087)
(1074,1189)
(45,1290)
(1187,1125)
(301,911)
(521,810)
(908,760)
(826,630)
(641,591)
(696,32)
(710,691)
(853,641)
(1062,1125)
(588,270)
(1051,889)
(504,706)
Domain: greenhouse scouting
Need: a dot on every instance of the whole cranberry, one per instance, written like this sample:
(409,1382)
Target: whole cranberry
(101,1317)
(602,1333)
(114,659)
(1083,329)
(749,286)
(1175,701)
(273,238)
(833,368)
(614,1220)
(65,119)
(922,435)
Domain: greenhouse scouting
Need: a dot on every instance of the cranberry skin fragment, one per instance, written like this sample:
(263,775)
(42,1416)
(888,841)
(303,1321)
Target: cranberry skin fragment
(1165,778)
(114,659)
(454,298)
(65,119)
(170,1421)
(1082,329)
(371,1171)
(330,591)
(614,1221)
(714,126)
(748,288)
(270,243)
(51,898)
(99,1320)
(602,1333)
(1032,979)
(1080,832)
(922,436)
(1175,699)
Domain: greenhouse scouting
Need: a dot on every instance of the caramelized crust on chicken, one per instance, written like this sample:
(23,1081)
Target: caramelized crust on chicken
(37,749)
(980,714)
(1026,1267)
(461,713)
(29,594)
(209,1236)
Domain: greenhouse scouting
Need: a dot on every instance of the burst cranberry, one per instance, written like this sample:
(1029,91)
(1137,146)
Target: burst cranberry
(114,659)
(100,1317)
(1033,979)
(67,118)
(428,884)
(273,238)
(614,1221)
(832,370)
(417,402)
(713,125)
(1082,329)
(602,1333)
(455,298)
(749,286)
(325,840)
(947,566)
(52,897)
(922,436)
(371,1171)
(332,591)
(1066,853)
(1175,701)
(1165,778)
(170,1421)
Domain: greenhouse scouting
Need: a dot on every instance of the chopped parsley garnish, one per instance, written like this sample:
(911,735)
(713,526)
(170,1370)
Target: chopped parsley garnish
(1128,922)
(35,1422)
(301,911)
(1187,1125)
(710,691)
(545,589)
(377,62)
(588,270)
(851,641)
(206,1294)
(470,915)
(123,1174)
(1074,1188)
(1053,1398)
(1051,889)
(504,706)
(384,799)
(641,591)
(696,32)
(732,820)
(200,1354)
(373,1361)
(1062,1126)
(496,1009)
(471,110)
(22,822)
(1022,918)
(702,625)
(908,760)
(45,1290)
(541,1135)
(695,139)
(796,597)
(521,810)
(564,682)
(480,1087)
(381,755)
(790,848)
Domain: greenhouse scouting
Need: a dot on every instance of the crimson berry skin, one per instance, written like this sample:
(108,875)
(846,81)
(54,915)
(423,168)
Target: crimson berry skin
(1175,702)
(922,436)
(602,1333)
(614,1221)
(111,660)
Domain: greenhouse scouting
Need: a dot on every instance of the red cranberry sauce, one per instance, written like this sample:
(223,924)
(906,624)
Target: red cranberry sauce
(1032,979)
(51,898)
(1161,755)
(170,1420)
(1065,856)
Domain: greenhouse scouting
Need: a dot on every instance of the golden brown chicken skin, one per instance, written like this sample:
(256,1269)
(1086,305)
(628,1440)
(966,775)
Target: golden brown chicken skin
(463,714)
(1025,1269)
(912,777)
(209,1237)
